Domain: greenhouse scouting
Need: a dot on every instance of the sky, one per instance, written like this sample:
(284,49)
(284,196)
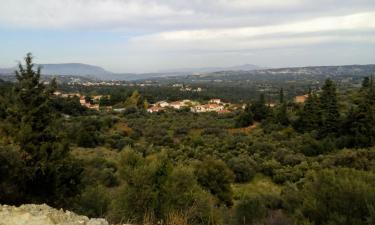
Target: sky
(156,35)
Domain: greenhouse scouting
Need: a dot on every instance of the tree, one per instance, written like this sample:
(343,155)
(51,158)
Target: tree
(281,96)
(245,118)
(310,116)
(359,126)
(133,100)
(330,109)
(250,210)
(243,167)
(281,115)
(216,177)
(52,175)
(334,197)
(154,187)
(259,109)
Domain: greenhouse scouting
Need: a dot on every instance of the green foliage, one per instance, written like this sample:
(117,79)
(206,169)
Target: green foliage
(245,118)
(330,109)
(281,115)
(335,197)
(12,176)
(250,210)
(93,202)
(216,177)
(154,187)
(243,167)
(310,116)
(69,106)
(51,175)
(259,109)
(359,127)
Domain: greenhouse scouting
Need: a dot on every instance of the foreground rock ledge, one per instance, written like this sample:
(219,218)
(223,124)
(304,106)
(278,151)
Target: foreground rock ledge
(43,215)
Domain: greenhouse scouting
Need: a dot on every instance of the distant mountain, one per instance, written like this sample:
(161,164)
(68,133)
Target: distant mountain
(84,70)
(292,73)
(7,71)
(74,69)
(245,67)
(324,70)
(96,72)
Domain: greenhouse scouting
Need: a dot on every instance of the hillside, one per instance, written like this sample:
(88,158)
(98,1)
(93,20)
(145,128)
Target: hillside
(236,72)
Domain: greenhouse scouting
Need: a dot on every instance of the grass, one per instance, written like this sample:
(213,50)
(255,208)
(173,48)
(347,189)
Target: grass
(100,152)
(259,185)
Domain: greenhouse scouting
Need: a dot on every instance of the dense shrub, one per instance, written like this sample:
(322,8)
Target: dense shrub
(334,197)
(243,167)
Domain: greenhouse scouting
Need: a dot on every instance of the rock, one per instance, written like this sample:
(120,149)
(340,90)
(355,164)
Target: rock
(31,214)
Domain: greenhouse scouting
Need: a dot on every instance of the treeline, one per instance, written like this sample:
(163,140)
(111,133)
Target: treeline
(322,116)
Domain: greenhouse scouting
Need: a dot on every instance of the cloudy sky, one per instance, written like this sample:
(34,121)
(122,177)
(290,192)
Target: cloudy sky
(154,35)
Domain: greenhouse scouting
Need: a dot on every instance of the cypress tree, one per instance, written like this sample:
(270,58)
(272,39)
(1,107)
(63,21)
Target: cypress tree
(359,125)
(330,109)
(310,116)
(52,174)
(281,96)
(259,109)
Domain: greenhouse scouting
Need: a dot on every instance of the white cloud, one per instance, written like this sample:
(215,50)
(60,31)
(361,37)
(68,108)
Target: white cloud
(175,32)
(284,35)
(80,13)
(166,14)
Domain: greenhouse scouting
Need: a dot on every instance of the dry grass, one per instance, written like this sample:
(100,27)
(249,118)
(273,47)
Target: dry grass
(177,218)
(122,128)
(246,130)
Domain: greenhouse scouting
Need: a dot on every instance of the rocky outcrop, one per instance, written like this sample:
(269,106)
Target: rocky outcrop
(43,215)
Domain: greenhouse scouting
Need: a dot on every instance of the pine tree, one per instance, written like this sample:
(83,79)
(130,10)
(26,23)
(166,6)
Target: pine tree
(330,109)
(359,125)
(53,175)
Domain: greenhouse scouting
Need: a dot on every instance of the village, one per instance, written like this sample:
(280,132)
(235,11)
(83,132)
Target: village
(213,105)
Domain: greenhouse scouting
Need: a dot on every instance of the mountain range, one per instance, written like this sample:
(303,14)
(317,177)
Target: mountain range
(96,72)
(79,69)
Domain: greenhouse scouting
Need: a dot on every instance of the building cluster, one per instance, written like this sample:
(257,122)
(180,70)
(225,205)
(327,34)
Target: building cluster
(214,105)
(300,98)
(187,88)
(92,103)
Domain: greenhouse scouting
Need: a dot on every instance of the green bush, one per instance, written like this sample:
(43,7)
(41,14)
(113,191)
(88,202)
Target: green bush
(243,167)
(250,210)
(334,197)
(216,177)
(93,202)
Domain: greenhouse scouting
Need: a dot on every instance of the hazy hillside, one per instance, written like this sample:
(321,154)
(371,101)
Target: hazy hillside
(245,67)
(235,72)
(73,69)
(65,69)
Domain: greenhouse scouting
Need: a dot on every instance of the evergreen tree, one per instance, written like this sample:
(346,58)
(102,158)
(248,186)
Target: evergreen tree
(259,109)
(281,96)
(359,126)
(52,174)
(330,109)
(281,115)
(245,118)
(310,116)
